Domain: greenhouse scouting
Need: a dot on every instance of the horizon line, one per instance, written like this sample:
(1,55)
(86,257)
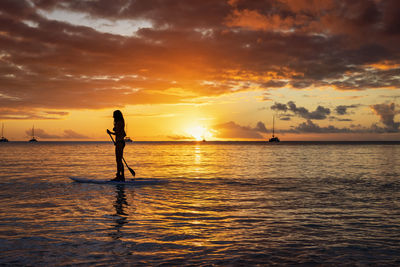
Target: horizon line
(210,141)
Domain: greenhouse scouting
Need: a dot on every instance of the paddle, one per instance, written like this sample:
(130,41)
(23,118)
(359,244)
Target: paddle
(130,169)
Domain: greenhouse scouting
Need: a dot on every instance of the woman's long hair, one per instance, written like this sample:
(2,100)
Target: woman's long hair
(117,115)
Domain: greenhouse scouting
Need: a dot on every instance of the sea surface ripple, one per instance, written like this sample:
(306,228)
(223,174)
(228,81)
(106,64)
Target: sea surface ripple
(235,203)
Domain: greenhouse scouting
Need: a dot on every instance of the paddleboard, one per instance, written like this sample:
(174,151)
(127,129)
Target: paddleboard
(136,182)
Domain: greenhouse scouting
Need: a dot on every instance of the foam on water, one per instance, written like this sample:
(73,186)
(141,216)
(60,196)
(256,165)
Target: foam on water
(224,204)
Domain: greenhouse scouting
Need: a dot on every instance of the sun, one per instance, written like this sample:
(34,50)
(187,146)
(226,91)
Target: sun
(199,132)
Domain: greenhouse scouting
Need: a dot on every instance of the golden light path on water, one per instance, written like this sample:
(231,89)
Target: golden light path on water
(223,203)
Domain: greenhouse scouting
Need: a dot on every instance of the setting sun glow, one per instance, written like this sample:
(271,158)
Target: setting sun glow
(199,132)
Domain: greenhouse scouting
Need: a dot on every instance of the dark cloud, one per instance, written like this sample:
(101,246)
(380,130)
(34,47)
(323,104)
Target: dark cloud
(234,130)
(190,49)
(279,107)
(387,112)
(342,109)
(311,127)
(343,119)
(273,84)
(260,127)
(285,118)
(320,113)
(334,118)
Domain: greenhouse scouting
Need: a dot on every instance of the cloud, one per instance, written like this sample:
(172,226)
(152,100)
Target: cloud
(182,50)
(180,137)
(31,114)
(310,127)
(331,118)
(68,134)
(260,127)
(342,109)
(285,118)
(320,113)
(41,134)
(254,20)
(273,84)
(279,107)
(387,112)
(233,130)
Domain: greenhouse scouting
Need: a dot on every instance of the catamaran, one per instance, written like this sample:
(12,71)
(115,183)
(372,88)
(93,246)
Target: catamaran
(127,139)
(3,139)
(273,138)
(33,135)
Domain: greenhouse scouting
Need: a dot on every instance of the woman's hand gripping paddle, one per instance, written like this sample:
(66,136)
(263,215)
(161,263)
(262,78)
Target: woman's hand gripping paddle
(130,169)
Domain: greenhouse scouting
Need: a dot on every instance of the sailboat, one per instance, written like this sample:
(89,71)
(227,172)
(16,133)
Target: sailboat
(127,139)
(33,135)
(3,139)
(273,138)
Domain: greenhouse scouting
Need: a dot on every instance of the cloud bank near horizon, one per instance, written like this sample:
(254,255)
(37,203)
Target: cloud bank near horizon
(386,113)
(67,134)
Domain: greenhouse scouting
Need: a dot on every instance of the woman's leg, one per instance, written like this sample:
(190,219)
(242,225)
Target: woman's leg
(119,151)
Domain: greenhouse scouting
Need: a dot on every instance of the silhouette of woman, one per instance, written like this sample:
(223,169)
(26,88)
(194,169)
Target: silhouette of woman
(119,132)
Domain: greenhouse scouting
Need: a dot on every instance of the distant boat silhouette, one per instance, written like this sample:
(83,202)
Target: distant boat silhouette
(3,139)
(127,139)
(273,138)
(33,135)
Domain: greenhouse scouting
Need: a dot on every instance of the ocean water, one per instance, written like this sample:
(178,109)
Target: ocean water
(237,203)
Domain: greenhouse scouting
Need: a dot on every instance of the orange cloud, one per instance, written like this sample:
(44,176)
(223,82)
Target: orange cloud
(253,20)
(248,19)
(384,65)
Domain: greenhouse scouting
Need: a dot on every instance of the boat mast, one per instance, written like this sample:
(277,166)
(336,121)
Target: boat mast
(273,126)
(33,131)
(2,130)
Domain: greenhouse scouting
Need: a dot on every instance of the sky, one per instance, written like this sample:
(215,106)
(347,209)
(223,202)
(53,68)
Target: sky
(212,69)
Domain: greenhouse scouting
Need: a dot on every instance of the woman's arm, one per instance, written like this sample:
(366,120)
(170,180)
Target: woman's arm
(118,129)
